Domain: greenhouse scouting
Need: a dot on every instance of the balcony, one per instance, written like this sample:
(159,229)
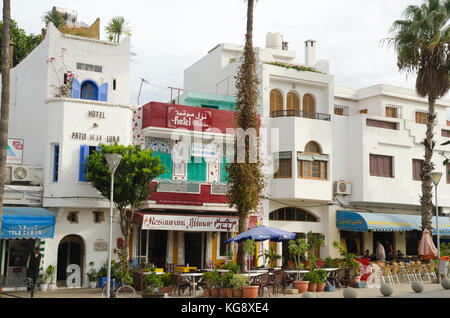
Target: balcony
(300,113)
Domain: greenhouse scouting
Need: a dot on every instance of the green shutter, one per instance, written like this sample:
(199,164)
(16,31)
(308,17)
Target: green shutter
(166,160)
(196,171)
(223,171)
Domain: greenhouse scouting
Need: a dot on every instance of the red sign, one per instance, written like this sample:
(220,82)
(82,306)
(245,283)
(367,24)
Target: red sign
(190,223)
(193,118)
(364,268)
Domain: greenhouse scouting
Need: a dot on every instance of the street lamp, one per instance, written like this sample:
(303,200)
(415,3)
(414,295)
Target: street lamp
(113,160)
(436,177)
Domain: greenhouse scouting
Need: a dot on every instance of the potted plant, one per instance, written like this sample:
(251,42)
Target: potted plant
(321,279)
(250,291)
(153,283)
(103,272)
(237,282)
(42,280)
(51,274)
(311,277)
(167,283)
(208,278)
(226,290)
(217,280)
(298,249)
(92,276)
(349,262)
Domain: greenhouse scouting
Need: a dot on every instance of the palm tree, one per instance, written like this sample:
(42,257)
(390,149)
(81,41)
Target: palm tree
(116,27)
(421,43)
(246,178)
(5,99)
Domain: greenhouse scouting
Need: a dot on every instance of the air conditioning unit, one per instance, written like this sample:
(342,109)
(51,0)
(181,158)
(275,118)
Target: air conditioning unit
(24,174)
(342,187)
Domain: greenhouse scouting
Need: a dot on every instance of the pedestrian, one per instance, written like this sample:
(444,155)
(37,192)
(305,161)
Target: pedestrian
(33,265)
(389,251)
(380,253)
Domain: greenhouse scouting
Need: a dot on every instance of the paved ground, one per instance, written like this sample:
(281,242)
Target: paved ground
(402,290)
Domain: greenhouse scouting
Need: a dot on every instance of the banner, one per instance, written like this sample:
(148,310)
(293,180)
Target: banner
(190,223)
(178,117)
(14,151)
(364,268)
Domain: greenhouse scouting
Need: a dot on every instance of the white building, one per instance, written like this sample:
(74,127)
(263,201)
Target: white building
(320,135)
(59,125)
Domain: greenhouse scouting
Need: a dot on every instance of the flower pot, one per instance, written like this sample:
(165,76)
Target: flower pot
(92,284)
(301,286)
(223,292)
(166,289)
(320,287)
(206,292)
(237,293)
(229,293)
(214,292)
(312,287)
(52,286)
(250,291)
(43,287)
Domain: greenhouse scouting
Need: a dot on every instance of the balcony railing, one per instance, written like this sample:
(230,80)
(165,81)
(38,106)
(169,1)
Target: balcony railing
(300,113)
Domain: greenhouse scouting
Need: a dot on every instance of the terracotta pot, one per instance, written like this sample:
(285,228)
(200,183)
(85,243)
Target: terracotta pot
(237,293)
(206,292)
(214,292)
(250,291)
(312,287)
(301,286)
(166,289)
(320,287)
(223,292)
(229,293)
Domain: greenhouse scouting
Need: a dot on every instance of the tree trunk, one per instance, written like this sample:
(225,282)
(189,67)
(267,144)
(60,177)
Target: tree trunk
(240,258)
(5,99)
(426,199)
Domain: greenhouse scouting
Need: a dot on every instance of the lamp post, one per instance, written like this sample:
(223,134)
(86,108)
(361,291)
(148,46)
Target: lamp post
(113,160)
(436,177)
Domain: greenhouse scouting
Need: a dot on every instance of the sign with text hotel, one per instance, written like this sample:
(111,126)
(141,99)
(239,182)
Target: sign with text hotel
(195,118)
(190,223)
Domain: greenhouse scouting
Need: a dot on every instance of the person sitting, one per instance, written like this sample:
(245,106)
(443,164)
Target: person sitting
(366,254)
(400,256)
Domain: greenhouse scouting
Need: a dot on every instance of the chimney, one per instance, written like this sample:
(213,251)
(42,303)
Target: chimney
(274,41)
(285,46)
(310,52)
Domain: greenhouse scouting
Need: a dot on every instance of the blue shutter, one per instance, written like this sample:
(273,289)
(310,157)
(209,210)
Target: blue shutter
(84,153)
(76,89)
(103,92)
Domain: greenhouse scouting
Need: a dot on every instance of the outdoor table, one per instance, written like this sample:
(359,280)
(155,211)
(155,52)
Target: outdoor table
(156,272)
(261,271)
(185,269)
(220,270)
(329,271)
(194,279)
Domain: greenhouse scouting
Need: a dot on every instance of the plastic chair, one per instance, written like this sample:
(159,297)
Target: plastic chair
(277,281)
(262,282)
(178,282)
(395,269)
(386,274)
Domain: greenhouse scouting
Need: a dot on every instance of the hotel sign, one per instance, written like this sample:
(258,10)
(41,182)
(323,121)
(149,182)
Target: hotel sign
(14,151)
(190,223)
(194,118)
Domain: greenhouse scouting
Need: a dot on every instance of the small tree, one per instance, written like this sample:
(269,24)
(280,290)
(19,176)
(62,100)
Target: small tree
(298,249)
(314,242)
(132,179)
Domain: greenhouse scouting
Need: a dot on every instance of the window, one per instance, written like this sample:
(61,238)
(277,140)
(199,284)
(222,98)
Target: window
(417,166)
(224,248)
(445,133)
(114,84)
(312,164)
(341,110)
(99,216)
(421,118)
(393,111)
(89,67)
(284,165)
(381,124)
(55,163)
(72,217)
(292,214)
(85,152)
(276,103)
(309,106)
(89,90)
(381,166)
(313,147)
(292,105)
(363,111)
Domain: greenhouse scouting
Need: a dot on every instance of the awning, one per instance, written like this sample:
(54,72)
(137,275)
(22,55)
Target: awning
(27,223)
(444,225)
(383,222)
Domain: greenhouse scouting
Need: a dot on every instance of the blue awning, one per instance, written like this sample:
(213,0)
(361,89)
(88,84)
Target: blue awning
(383,222)
(27,223)
(444,225)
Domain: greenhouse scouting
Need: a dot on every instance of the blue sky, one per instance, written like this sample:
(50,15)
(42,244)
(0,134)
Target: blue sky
(169,36)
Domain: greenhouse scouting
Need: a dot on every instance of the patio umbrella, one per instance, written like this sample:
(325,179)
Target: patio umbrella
(262,233)
(426,247)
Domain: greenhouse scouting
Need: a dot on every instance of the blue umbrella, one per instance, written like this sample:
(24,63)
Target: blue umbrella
(262,233)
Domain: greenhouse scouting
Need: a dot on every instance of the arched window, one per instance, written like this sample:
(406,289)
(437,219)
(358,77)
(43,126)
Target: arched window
(312,165)
(276,103)
(309,106)
(292,104)
(89,90)
(292,214)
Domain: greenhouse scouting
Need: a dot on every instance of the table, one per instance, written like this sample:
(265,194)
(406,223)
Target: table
(157,273)
(185,269)
(217,269)
(260,271)
(194,279)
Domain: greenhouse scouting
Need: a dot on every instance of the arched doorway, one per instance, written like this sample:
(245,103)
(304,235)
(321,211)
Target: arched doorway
(89,90)
(70,251)
(309,106)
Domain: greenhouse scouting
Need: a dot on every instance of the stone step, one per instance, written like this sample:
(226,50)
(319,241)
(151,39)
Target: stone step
(291,291)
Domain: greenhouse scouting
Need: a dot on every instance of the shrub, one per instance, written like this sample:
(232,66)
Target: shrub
(238,281)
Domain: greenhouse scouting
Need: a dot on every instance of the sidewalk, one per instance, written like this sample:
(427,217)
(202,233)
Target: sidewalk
(402,290)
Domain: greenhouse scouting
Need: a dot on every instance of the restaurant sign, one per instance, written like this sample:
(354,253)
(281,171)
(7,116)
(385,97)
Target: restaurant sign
(195,118)
(14,150)
(190,223)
